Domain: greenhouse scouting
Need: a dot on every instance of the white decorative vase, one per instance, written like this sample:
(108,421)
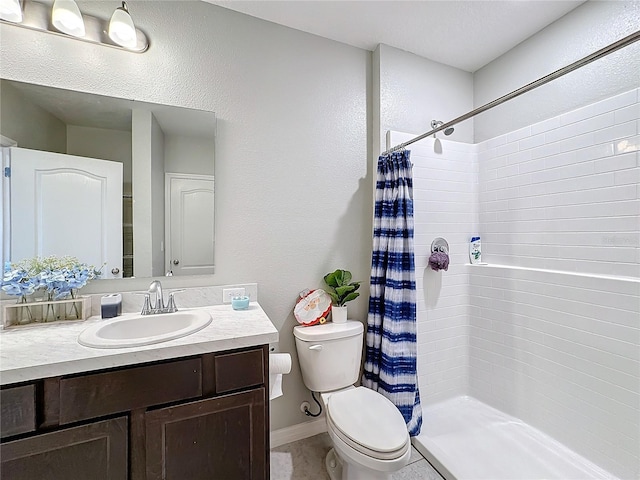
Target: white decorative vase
(339,314)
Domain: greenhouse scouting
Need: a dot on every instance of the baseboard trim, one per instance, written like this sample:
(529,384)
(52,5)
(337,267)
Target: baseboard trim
(298,432)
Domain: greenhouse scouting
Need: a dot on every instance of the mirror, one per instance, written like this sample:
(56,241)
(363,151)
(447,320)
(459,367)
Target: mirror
(114,182)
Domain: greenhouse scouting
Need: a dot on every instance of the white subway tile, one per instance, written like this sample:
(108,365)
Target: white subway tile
(617,162)
(574,129)
(519,157)
(531,142)
(568,171)
(507,149)
(628,176)
(616,132)
(616,102)
(627,145)
(561,159)
(496,141)
(577,115)
(518,134)
(627,114)
(545,125)
(507,171)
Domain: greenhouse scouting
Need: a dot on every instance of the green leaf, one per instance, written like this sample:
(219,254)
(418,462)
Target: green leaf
(330,279)
(342,291)
(351,296)
(334,298)
(346,277)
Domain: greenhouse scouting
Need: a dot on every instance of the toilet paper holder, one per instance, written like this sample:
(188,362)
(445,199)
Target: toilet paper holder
(279,365)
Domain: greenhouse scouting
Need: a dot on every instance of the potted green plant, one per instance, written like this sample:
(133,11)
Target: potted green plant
(341,290)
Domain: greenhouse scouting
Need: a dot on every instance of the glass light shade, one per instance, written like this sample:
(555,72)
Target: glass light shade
(121,28)
(66,17)
(11,11)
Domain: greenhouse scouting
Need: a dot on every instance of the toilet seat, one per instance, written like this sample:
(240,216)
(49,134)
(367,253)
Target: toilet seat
(368,422)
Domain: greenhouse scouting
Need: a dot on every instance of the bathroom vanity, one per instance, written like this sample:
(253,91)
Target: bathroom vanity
(190,408)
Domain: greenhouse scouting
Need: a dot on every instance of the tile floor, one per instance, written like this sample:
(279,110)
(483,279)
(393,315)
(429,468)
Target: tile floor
(304,460)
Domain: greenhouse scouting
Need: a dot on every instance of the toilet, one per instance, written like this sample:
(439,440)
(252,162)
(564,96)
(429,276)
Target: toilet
(369,434)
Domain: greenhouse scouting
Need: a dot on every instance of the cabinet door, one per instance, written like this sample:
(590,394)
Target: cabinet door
(222,438)
(17,410)
(97,451)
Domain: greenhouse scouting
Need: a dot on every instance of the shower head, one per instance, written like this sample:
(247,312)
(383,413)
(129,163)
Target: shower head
(437,123)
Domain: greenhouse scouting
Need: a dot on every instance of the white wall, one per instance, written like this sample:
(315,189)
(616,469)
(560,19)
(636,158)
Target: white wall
(413,91)
(29,125)
(590,27)
(188,155)
(293,181)
(102,143)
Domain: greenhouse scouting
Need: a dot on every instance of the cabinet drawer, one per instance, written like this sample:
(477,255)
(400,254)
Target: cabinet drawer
(239,370)
(92,396)
(18,410)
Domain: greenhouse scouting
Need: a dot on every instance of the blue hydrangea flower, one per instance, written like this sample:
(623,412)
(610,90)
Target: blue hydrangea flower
(60,277)
(18,283)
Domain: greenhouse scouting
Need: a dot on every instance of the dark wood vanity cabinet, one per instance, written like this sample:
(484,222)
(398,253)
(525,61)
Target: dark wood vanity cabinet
(203,417)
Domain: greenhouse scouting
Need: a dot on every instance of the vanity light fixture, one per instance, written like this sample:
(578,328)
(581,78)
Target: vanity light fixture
(65,19)
(121,28)
(11,10)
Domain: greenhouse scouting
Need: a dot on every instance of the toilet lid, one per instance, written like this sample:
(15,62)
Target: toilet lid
(368,419)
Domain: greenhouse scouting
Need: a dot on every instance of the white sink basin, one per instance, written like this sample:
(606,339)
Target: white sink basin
(137,330)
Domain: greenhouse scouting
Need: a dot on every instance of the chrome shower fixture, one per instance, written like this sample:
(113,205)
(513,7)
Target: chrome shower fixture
(437,123)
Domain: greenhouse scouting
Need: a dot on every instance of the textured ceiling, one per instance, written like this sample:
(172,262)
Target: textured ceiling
(465,34)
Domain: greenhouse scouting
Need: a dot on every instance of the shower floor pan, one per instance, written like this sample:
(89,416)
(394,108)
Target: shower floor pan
(467,440)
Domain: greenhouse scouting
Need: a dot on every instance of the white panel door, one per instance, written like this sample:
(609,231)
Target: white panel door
(66,205)
(190,227)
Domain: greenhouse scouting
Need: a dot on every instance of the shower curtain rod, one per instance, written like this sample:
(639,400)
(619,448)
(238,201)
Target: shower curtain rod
(623,42)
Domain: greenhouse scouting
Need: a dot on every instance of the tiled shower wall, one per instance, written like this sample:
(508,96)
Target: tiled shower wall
(554,335)
(550,330)
(445,205)
(563,194)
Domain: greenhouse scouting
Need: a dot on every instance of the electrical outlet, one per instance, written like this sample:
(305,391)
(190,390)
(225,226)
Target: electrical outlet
(229,293)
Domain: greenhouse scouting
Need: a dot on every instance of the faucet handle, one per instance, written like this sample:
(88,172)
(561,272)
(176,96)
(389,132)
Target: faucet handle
(146,307)
(171,304)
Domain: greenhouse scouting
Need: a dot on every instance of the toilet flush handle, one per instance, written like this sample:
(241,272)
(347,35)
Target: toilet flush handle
(315,347)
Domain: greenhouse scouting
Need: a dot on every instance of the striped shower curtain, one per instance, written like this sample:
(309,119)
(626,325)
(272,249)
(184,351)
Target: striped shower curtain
(390,356)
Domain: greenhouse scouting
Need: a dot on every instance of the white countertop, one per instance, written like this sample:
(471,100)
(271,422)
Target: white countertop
(49,350)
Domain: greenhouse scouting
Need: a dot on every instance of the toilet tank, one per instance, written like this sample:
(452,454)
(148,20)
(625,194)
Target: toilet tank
(329,354)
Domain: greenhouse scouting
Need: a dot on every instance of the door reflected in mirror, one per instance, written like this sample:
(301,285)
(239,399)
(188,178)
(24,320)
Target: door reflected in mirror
(116,183)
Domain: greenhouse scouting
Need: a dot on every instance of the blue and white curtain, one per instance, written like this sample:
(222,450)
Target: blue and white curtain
(390,356)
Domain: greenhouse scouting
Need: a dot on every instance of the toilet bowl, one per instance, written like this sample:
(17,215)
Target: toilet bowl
(368,433)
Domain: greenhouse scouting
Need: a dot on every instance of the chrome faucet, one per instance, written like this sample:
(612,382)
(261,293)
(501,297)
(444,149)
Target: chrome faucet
(156,287)
(158,306)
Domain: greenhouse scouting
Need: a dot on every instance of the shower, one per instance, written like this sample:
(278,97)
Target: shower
(437,123)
